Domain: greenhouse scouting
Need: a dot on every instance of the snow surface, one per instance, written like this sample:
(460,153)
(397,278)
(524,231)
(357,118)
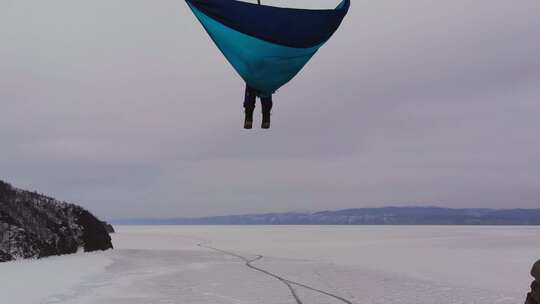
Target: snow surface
(360,264)
(50,279)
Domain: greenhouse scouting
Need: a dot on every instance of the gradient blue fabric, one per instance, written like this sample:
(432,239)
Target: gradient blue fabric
(266,45)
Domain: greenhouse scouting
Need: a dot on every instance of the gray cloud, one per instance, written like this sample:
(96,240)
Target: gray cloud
(127,108)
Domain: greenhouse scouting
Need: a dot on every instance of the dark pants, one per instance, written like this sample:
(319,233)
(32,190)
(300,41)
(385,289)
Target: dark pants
(250,98)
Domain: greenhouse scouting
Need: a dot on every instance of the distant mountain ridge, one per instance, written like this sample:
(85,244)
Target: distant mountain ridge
(363,216)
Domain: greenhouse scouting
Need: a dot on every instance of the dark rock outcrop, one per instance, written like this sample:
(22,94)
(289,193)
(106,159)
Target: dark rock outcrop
(533,297)
(108,227)
(535,271)
(35,226)
(4,257)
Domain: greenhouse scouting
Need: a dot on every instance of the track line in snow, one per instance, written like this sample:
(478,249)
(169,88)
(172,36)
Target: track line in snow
(287,282)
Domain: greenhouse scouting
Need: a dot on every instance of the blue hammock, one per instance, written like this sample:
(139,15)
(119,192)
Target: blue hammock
(266,45)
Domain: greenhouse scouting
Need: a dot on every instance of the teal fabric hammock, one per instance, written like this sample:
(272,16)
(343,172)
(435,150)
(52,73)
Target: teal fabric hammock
(266,45)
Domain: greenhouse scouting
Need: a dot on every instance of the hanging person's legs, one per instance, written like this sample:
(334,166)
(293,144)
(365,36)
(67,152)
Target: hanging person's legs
(249,106)
(266,103)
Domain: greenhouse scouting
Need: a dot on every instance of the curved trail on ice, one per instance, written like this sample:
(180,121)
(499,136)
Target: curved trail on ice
(287,282)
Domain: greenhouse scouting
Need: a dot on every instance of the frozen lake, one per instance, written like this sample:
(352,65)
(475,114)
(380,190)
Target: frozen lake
(289,264)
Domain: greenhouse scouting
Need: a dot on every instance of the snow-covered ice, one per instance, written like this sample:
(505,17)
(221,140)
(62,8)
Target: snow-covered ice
(360,264)
(50,279)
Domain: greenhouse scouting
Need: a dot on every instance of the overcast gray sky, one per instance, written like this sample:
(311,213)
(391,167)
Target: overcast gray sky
(127,108)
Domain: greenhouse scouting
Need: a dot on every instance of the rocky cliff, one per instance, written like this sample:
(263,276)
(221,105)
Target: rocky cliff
(34,226)
(533,297)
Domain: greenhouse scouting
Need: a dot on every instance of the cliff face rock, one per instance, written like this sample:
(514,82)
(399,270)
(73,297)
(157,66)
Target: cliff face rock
(35,226)
(4,257)
(533,297)
(108,227)
(535,271)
